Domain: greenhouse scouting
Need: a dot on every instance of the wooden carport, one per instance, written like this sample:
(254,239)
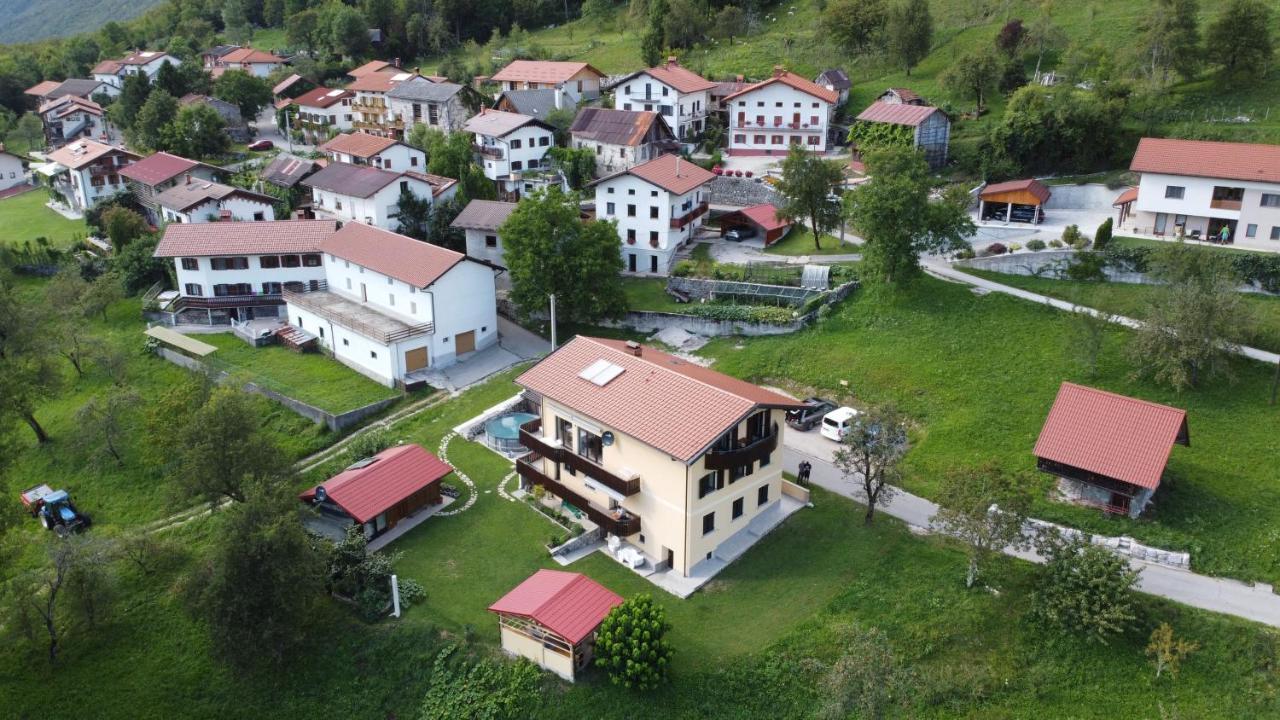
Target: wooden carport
(1016,200)
(762,217)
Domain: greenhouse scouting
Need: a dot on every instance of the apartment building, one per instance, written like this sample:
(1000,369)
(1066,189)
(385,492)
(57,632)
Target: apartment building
(511,148)
(370,195)
(658,207)
(370,109)
(681,96)
(204,201)
(768,117)
(680,461)
(361,148)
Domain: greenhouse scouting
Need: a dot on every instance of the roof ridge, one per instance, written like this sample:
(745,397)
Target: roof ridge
(650,362)
(1127,398)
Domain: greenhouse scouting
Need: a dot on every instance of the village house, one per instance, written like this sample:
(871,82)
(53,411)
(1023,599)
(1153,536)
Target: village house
(621,138)
(285,171)
(768,117)
(85,171)
(443,106)
(837,81)
(394,308)
(1203,190)
(534,103)
(204,201)
(509,147)
(901,96)
(929,127)
(13,169)
(289,88)
(85,88)
(577,80)
(152,175)
(658,206)
(257,63)
(373,66)
(71,117)
(679,461)
(1108,451)
(141,62)
(369,195)
(552,618)
(679,95)
(236,127)
(381,493)
(361,148)
(239,270)
(370,110)
(322,113)
(479,221)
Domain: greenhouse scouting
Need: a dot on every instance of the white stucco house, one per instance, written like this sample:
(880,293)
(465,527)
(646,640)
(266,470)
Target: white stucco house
(13,169)
(369,195)
(202,201)
(1219,191)
(141,62)
(361,148)
(70,117)
(658,207)
(480,221)
(768,117)
(394,308)
(510,147)
(257,63)
(240,270)
(577,80)
(86,171)
(681,96)
(621,138)
(322,113)
(439,105)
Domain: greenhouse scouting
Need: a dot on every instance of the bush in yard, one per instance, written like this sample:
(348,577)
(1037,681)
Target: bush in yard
(632,645)
(481,689)
(1035,245)
(1103,236)
(1087,267)
(1071,236)
(370,443)
(965,254)
(1084,589)
(1014,247)
(1055,243)
(995,249)
(411,593)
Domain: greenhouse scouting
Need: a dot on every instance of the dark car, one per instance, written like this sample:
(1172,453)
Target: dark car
(808,417)
(261,145)
(742,233)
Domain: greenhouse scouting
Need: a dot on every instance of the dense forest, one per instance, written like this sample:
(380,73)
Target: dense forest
(26,20)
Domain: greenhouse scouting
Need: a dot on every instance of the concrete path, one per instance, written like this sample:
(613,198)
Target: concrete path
(940,268)
(1257,602)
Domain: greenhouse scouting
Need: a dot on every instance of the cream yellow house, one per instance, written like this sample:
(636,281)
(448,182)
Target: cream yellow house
(678,460)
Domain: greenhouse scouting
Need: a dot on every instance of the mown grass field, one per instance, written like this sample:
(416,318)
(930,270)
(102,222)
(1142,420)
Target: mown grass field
(24,218)
(799,241)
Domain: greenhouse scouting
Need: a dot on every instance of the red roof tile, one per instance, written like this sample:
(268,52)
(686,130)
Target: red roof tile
(78,153)
(42,88)
(107,67)
(669,172)
(403,258)
(1204,158)
(249,55)
(618,127)
(358,144)
(157,168)
(793,81)
(897,113)
(1112,435)
(661,400)
(764,215)
(380,81)
(679,77)
(541,71)
(244,238)
(370,67)
(395,474)
(1127,196)
(322,97)
(285,84)
(569,604)
(1035,187)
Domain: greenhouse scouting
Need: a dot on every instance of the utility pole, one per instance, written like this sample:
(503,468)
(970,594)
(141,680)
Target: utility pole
(1275,383)
(553,322)
(288,130)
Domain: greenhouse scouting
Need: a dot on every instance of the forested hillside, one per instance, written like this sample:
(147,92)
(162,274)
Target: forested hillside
(27,20)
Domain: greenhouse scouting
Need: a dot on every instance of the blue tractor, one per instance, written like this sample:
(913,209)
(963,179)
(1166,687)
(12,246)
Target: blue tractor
(55,510)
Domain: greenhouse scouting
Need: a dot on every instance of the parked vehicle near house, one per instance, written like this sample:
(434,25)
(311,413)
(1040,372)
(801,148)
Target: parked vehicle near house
(260,145)
(836,424)
(739,234)
(806,418)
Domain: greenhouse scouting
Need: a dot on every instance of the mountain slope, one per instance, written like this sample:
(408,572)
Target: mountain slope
(29,20)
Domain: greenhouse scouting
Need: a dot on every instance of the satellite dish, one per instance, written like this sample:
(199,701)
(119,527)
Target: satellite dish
(321,495)
(606,438)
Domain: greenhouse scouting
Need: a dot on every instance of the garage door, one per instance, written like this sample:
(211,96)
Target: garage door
(465,342)
(415,359)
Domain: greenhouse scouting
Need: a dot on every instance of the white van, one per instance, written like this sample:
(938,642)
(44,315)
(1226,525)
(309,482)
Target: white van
(836,423)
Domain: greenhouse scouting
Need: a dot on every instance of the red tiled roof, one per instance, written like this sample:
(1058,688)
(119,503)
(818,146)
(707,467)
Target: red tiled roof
(106,67)
(764,215)
(322,97)
(41,89)
(157,168)
(249,55)
(906,95)
(897,113)
(403,258)
(78,153)
(541,71)
(380,81)
(142,57)
(358,144)
(1033,186)
(681,78)
(669,172)
(68,104)
(370,67)
(793,81)
(1209,159)
(394,475)
(285,84)
(1115,436)
(243,238)
(661,400)
(569,604)
(1127,196)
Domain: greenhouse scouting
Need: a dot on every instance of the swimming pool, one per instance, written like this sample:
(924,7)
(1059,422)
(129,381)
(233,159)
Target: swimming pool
(502,433)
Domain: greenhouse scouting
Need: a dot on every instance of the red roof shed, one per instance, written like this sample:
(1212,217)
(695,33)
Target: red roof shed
(763,217)
(569,604)
(379,484)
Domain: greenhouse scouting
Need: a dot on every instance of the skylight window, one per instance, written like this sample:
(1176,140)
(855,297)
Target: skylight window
(601,372)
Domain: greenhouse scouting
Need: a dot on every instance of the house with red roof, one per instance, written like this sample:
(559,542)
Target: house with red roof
(257,63)
(658,206)
(394,308)
(69,117)
(762,220)
(512,148)
(576,81)
(552,617)
(371,195)
(681,96)
(321,113)
(138,62)
(1223,192)
(160,171)
(679,462)
(86,171)
(785,109)
(1108,451)
(362,148)
(381,493)
(929,127)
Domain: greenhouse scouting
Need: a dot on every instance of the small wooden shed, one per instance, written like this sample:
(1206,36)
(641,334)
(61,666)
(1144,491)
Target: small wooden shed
(552,617)
(1014,201)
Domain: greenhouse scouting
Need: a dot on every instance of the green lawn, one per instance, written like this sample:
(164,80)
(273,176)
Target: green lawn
(1132,301)
(799,241)
(1162,244)
(24,218)
(313,378)
(649,294)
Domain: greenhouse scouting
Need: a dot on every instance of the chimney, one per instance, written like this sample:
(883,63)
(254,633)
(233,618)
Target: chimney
(672,61)
(188,178)
(677,166)
(634,348)
(779,71)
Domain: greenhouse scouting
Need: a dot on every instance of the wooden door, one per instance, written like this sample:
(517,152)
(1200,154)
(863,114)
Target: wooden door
(465,342)
(415,359)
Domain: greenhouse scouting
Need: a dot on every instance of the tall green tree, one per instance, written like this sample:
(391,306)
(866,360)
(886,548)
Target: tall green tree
(855,25)
(1084,589)
(150,126)
(577,164)
(248,93)
(1169,40)
(1043,34)
(235,21)
(133,95)
(198,131)
(348,33)
(985,509)
(452,156)
(869,453)
(222,452)
(413,214)
(1240,39)
(654,39)
(686,23)
(1059,128)
(632,646)
(809,188)
(973,76)
(548,249)
(730,22)
(302,29)
(893,213)
(909,33)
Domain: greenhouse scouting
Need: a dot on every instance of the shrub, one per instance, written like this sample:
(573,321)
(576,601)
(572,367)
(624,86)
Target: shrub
(1084,589)
(742,313)
(1014,247)
(1102,237)
(966,254)
(411,592)
(1055,243)
(1035,245)
(371,603)
(683,268)
(538,492)
(632,645)
(370,443)
(995,249)
(1087,267)
(1072,236)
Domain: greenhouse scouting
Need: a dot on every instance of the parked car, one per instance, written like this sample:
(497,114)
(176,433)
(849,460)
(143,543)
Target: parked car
(807,418)
(739,234)
(261,145)
(836,424)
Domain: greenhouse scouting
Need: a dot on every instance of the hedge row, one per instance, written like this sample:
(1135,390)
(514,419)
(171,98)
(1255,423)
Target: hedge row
(1261,271)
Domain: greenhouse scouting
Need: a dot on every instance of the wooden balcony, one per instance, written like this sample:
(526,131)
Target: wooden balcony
(622,524)
(1217,204)
(696,212)
(488,151)
(531,438)
(744,453)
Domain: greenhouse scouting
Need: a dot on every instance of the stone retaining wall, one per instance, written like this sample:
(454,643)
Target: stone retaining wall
(1122,545)
(651,322)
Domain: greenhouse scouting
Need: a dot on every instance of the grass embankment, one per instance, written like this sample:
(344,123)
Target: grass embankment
(24,218)
(799,241)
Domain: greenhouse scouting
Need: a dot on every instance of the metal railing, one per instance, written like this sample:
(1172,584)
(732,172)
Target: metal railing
(694,213)
(300,298)
(617,522)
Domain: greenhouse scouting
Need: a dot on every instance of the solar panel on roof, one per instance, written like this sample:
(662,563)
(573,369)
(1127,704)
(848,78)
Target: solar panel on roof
(601,372)
(333,93)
